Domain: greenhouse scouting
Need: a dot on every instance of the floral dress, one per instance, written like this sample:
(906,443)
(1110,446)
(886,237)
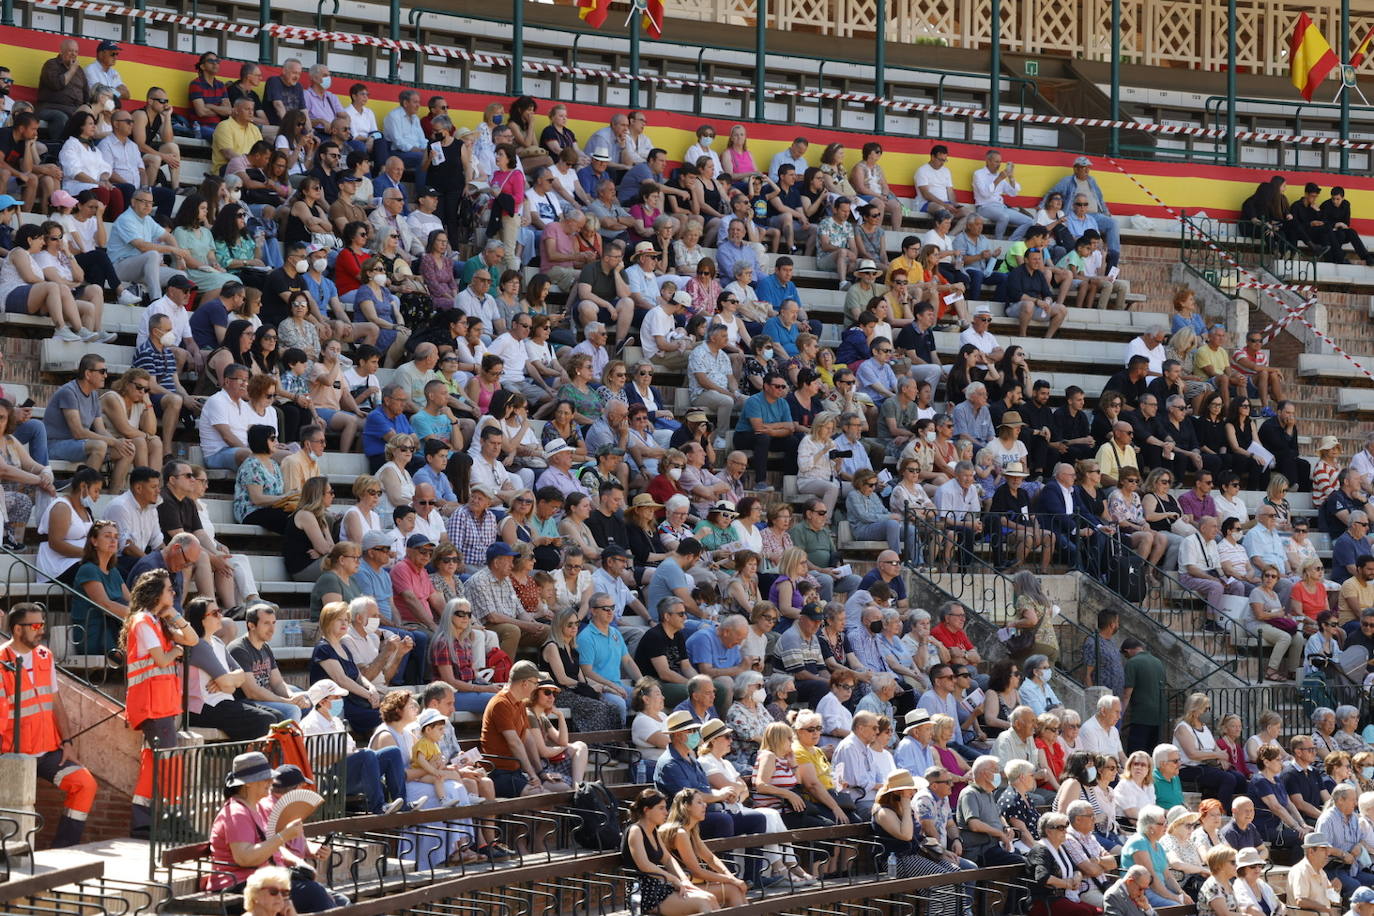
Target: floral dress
(587,403)
(302,336)
(443,588)
(18,497)
(265,474)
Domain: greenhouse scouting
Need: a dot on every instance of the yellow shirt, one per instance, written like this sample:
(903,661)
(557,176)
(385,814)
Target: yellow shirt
(816,758)
(1217,360)
(1364,594)
(915,273)
(424,749)
(230,135)
(1110,459)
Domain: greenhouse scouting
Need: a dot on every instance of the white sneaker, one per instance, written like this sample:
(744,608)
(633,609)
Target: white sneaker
(105,337)
(128,297)
(65,334)
(87,334)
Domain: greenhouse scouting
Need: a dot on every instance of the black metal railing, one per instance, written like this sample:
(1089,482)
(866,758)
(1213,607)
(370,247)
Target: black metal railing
(1169,606)
(971,568)
(1295,702)
(188,785)
(1225,253)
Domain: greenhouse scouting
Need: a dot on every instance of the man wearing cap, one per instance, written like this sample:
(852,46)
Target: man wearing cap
(417,600)
(374,774)
(590,176)
(504,724)
(495,606)
(864,290)
(1361,902)
(678,769)
(173,304)
(558,474)
(1310,888)
(799,651)
(102,71)
(670,579)
(609,468)
(1081,184)
(913,751)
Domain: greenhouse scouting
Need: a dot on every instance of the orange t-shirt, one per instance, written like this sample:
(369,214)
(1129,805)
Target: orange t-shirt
(503,713)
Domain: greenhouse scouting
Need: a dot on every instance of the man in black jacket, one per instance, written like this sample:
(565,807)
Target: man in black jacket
(1311,225)
(1336,213)
(1071,436)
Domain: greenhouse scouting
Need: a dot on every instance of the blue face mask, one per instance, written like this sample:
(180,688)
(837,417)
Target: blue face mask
(996,780)
(1092,774)
(1367,772)
(336,708)
(693,740)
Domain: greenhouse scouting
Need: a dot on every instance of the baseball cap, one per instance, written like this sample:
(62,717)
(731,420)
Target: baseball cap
(180,281)
(419,540)
(322,690)
(812,611)
(348,177)
(59,198)
(6,202)
(288,776)
(427,192)
(107,45)
(499,549)
(376,539)
(1363,895)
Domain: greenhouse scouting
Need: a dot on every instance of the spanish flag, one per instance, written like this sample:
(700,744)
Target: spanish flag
(1358,57)
(593,11)
(653,18)
(1309,56)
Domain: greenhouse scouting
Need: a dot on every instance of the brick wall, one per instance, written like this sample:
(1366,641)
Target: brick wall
(109,818)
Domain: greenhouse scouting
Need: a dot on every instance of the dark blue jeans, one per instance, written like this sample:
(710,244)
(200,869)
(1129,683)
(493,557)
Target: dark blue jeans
(379,775)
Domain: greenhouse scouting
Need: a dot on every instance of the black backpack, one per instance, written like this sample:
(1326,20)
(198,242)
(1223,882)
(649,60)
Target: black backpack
(600,828)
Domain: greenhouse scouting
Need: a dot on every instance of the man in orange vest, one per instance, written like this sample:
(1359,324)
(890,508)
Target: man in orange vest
(42,719)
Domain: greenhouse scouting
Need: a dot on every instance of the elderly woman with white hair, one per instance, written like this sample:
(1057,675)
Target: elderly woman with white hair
(1347,730)
(747,717)
(1144,849)
(1339,822)
(1069,724)
(1056,887)
(926,651)
(1036,691)
(1016,806)
(881,689)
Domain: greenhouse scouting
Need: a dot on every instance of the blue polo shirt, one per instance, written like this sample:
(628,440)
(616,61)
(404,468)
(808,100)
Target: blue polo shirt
(376,427)
(603,651)
(704,646)
(377,585)
(758,406)
(775,292)
(897,585)
(783,337)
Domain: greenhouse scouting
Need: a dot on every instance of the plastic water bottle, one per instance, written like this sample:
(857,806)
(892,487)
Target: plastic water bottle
(891,867)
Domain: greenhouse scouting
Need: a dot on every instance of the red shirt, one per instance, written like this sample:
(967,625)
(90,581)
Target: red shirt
(348,269)
(407,577)
(951,639)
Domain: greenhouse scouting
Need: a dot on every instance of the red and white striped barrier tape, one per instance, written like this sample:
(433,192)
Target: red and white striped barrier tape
(305,33)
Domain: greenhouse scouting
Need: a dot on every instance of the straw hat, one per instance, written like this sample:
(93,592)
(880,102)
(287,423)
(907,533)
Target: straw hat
(898,781)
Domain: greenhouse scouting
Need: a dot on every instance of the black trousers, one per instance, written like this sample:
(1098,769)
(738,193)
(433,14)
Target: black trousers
(760,446)
(239,720)
(1342,237)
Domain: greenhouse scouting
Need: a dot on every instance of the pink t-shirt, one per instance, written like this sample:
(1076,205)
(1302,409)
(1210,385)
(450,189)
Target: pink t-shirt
(407,577)
(563,243)
(1259,359)
(235,823)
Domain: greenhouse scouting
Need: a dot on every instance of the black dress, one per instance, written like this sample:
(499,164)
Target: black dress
(653,890)
(589,714)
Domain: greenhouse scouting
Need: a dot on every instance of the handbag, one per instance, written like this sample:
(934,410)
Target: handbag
(583,689)
(1286,624)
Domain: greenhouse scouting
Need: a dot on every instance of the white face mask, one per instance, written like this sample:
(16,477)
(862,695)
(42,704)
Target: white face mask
(169,338)
(381,279)
(760,695)
(234,195)
(302,266)
(675,473)
(88,503)
(372,625)
(767,354)
(930,435)
(108,105)
(320,264)
(325,83)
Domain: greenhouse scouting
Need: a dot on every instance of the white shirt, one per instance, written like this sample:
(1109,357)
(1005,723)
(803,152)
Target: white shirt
(1363,462)
(181,319)
(422,224)
(989,189)
(696,151)
(97,75)
(938,182)
(549,207)
(492,473)
(512,352)
(1156,356)
(124,158)
(1228,508)
(657,323)
(362,123)
(138,525)
(942,242)
(78,158)
(225,411)
(313,723)
(1131,796)
(1093,737)
(433,527)
(984,341)
(1200,552)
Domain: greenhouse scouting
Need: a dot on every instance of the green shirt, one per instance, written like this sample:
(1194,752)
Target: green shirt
(819,546)
(1168,792)
(1145,680)
(1015,252)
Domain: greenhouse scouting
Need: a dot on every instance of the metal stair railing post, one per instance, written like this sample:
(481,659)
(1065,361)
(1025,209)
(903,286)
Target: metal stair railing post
(1166,617)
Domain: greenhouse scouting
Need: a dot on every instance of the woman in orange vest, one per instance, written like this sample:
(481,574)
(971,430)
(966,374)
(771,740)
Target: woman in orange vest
(153,640)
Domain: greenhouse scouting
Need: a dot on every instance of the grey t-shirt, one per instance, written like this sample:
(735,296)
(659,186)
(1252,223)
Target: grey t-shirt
(257,662)
(69,397)
(974,803)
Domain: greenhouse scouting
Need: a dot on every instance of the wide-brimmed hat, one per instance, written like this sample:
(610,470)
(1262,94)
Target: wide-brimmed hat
(680,721)
(557,447)
(1180,814)
(712,729)
(1011,418)
(1015,469)
(1249,856)
(249,767)
(725,507)
(1328,442)
(646,248)
(867,267)
(915,719)
(898,781)
(645,501)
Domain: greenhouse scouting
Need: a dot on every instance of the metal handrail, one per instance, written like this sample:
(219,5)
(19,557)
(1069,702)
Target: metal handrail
(1159,611)
(1294,702)
(1251,247)
(966,566)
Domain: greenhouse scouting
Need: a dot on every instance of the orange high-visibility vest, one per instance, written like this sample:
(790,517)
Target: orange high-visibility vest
(154,691)
(37,723)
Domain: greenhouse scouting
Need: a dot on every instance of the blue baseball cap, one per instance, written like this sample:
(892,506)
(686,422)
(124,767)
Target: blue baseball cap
(499,549)
(6,202)
(1362,895)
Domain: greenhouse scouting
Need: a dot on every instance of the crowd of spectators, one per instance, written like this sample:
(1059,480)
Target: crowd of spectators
(545,541)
